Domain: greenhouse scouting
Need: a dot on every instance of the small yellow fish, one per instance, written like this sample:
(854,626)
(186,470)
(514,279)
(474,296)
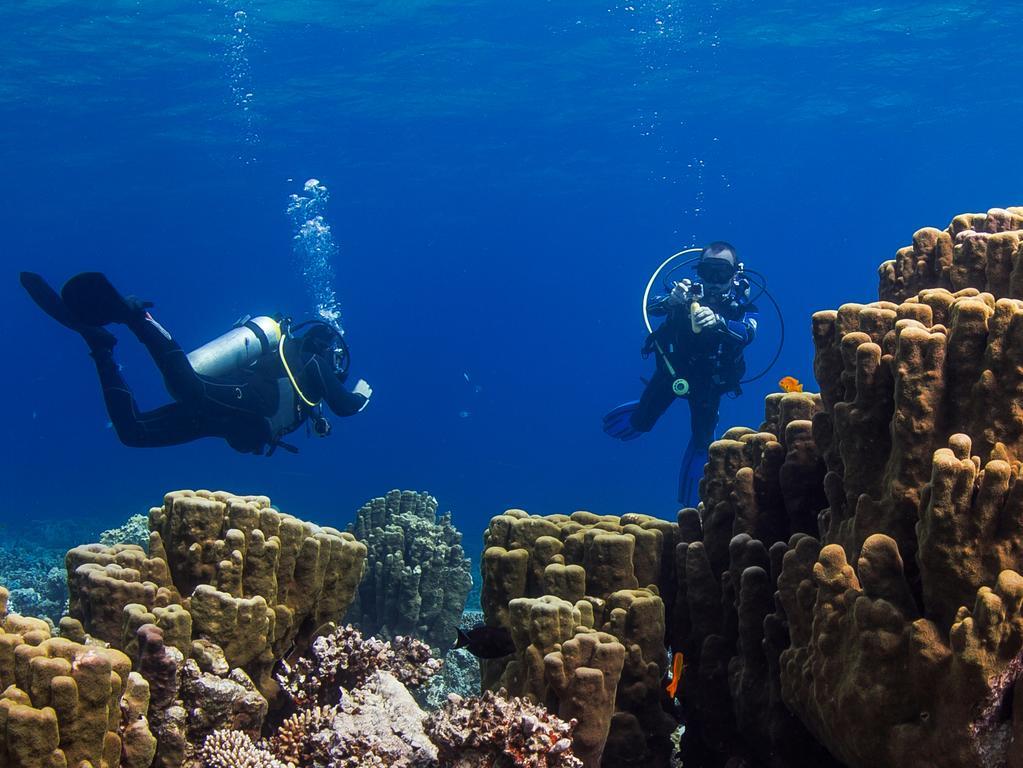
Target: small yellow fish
(676,675)
(789,384)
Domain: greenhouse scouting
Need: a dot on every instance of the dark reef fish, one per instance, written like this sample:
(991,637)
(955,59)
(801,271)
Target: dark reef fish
(486,642)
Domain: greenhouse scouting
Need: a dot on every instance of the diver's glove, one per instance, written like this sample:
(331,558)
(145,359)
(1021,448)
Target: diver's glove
(364,389)
(680,293)
(706,318)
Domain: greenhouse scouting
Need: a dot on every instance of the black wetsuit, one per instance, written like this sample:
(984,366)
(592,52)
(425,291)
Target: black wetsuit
(713,364)
(251,410)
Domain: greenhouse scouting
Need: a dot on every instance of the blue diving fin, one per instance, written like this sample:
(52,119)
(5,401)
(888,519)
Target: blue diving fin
(689,476)
(618,422)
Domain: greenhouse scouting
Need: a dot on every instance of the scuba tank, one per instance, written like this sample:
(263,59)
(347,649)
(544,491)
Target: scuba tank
(238,348)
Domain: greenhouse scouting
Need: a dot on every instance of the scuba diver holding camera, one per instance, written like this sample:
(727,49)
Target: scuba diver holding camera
(251,386)
(698,348)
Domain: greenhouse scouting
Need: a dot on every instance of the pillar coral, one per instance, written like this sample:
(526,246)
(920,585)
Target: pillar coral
(977,250)
(931,388)
(68,704)
(225,568)
(882,686)
(594,581)
(895,636)
(584,676)
(418,577)
(228,587)
(240,546)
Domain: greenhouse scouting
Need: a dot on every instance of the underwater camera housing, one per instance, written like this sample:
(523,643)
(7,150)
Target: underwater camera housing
(691,290)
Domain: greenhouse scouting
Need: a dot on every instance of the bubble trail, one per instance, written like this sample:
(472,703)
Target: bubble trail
(239,45)
(315,249)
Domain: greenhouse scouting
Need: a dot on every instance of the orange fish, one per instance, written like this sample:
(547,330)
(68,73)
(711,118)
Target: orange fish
(676,675)
(789,384)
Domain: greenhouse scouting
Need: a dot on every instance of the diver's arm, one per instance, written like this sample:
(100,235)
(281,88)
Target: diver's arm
(658,306)
(338,399)
(743,331)
(663,305)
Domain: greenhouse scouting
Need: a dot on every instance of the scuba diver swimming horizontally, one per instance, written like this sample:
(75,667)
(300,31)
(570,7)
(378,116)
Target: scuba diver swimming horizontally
(251,386)
(698,349)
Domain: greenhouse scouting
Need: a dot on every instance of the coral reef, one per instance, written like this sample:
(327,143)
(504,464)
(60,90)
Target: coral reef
(345,659)
(234,749)
(417,576)
(64,703)
(134,531)
(760,487)
(192,702)
(32,560)
(849,592)
(228,587)
(375,721)
(353,704)
(491,731)
(253,580)
(31,563)
(460,673)
(853,571)
(582,598)
(379,724)
(977,250)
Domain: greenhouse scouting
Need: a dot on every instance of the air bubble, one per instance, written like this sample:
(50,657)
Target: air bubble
(315,249)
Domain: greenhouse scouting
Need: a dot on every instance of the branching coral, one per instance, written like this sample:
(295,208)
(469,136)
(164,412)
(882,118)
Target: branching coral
(346,659)
(494,731)
(299,739)
(234,749)
(135,530)
(371,719)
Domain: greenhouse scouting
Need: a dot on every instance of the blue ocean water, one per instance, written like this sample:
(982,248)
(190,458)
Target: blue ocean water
(503,177)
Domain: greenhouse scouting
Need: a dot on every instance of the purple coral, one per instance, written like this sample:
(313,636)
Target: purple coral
(491,730)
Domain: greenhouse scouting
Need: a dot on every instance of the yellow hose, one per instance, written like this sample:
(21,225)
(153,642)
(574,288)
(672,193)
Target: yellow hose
(291,376)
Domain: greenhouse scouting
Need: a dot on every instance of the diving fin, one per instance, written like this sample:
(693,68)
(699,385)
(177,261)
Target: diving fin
(52,304)
(689,476)
(94,301)
(618,422)
(48,299)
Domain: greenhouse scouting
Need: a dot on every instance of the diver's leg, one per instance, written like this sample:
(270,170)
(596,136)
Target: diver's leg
(170,425)
(181,380)
(703,419)
(91,299)
(654,401)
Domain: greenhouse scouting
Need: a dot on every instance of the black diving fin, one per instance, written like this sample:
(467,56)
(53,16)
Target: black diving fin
(48,300)
(52,304)
(93,300)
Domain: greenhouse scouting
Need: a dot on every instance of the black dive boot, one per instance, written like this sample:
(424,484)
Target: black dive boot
(94,301)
